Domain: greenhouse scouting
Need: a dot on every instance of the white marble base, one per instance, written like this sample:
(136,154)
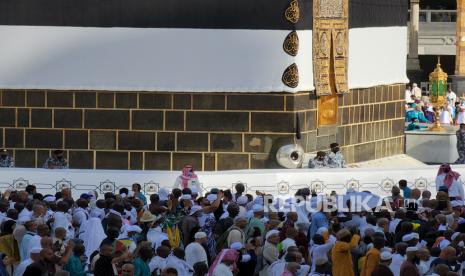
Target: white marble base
(432,147)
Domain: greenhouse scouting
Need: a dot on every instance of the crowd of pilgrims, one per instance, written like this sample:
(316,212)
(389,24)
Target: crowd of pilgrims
(419,109)
(229,232)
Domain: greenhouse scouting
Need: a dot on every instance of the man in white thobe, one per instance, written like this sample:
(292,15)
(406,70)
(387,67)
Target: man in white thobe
(416,91)
(27,241)
(195,252)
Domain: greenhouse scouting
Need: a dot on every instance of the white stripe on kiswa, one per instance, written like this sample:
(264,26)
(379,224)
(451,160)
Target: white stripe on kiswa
(191,60)
(184,60)
(377,56)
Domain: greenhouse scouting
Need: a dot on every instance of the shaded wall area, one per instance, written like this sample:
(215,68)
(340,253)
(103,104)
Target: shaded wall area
(212,131)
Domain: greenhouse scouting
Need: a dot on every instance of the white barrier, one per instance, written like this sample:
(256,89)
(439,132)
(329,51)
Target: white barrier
(278,182)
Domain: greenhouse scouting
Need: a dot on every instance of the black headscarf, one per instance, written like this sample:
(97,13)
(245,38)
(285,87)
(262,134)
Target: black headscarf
(7,227)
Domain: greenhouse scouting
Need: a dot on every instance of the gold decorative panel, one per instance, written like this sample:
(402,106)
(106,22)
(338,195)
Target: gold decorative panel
(292,12)
(291,76)
(330,35)
(291,44)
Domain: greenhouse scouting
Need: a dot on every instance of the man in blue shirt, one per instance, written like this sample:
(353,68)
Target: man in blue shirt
(403,186)
(414,126)
(416,113)
(319,220)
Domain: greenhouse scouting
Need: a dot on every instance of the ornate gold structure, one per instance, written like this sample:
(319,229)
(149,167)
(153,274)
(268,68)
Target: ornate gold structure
(438,90)
(292,12)
(291,76)
(291,44)
(330,43)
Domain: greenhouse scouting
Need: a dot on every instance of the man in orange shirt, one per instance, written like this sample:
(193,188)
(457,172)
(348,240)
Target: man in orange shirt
(372,257)
(341,257)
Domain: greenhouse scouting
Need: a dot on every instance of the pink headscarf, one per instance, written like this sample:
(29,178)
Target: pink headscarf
(225,255)
(450,174)
(185,177)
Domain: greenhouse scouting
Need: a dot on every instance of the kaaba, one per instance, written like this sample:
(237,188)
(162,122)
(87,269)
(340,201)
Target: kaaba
(219,84)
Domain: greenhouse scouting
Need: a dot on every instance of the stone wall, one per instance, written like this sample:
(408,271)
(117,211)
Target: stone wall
(212,131)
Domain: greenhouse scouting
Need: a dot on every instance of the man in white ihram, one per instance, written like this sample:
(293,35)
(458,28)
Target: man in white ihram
(416,91)
(195,252)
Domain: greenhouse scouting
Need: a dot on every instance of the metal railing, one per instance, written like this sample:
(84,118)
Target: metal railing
(437,16)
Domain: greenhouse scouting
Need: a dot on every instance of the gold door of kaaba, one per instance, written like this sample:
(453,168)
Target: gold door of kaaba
(330,55)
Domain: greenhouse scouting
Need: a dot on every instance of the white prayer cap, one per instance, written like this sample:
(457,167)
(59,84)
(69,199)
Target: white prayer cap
(194,191)
(271,233)
(288,244)
(195,209)
(456,203)
(461,244)
(321,230)
(410,237)
(134,228)
(49,198)
(236,246)
(454,236)
(35,250)
(412,249)
(242,200)
(258,200)
(257,208)
(186,197)
(246,258)
(212,197)
(200,235)
(414,85)
(386,255)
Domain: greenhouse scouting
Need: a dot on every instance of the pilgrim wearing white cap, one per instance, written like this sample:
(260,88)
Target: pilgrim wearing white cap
(410,237)
(386,256)
(195,252)
(411,249)
(236,232)
(270,249)
(186,197)
(34,256)
(212,197)
(255,222)
(176,260)
(242,202)
(190,222)
(408,267)
(49,198)
(383,267)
